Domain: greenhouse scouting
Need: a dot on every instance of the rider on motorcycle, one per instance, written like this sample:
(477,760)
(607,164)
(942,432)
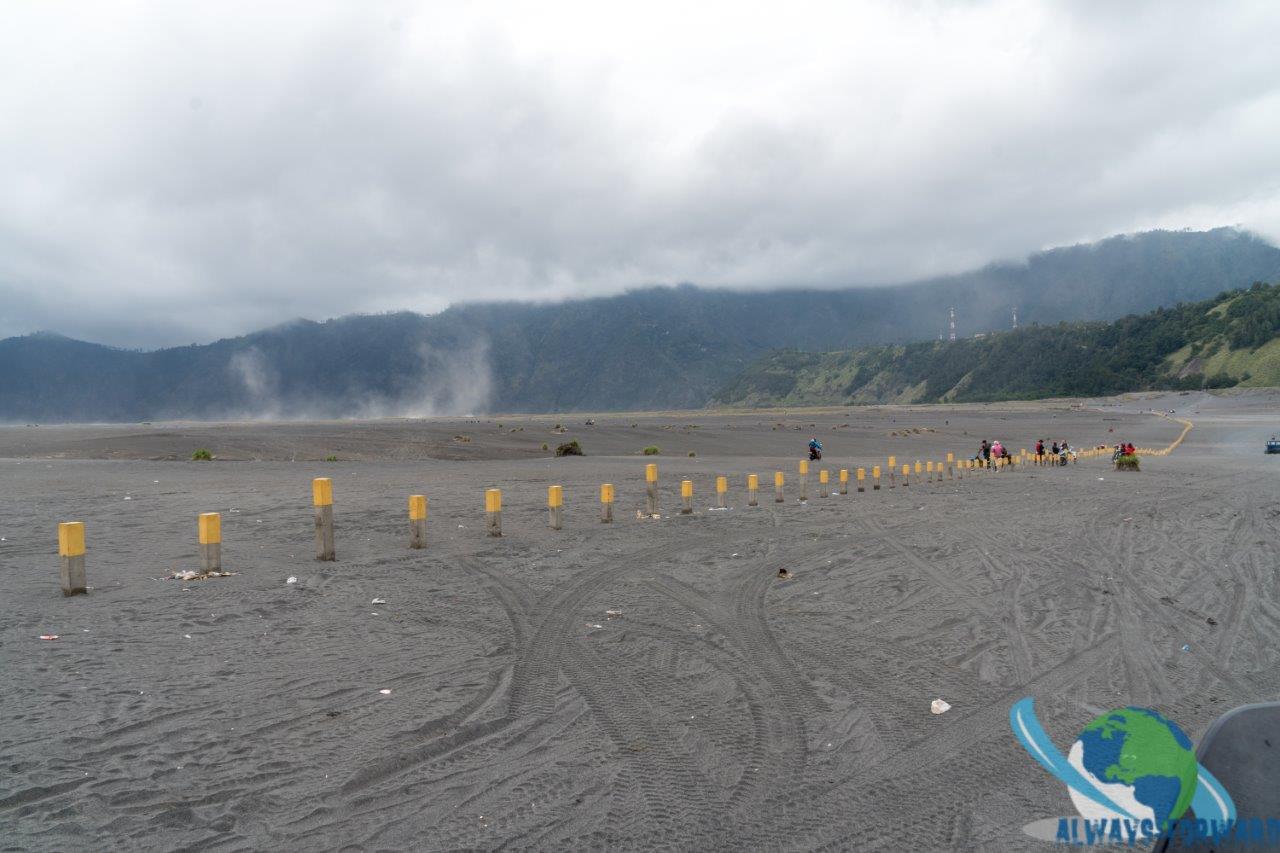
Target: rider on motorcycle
(815,448)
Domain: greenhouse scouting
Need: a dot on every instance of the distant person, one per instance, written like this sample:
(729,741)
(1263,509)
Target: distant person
(1040,448)
(815,448)
(1054,450)
(985,452)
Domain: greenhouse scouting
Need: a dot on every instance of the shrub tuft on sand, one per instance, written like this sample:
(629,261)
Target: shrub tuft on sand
(1128,462)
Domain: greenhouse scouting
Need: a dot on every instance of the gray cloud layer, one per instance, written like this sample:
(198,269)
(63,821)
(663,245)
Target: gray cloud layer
(174,172)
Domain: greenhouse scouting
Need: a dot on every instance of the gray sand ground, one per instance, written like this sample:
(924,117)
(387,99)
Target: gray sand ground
(723,709)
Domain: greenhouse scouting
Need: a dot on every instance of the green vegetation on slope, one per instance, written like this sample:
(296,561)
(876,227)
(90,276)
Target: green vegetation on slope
(1232,339)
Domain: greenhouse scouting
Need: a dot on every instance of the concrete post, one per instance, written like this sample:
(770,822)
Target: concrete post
(606,503)
(71,556)
(322,498)
(493,511)
(417,521)
(844,481)
(824,489)
(686,497)
(893,467)
(722,489)
(804,480)
(875,478)
(862,479)
(753,490)
(555,501)
(906,475)
(777,487)
(651,482)
(210,530)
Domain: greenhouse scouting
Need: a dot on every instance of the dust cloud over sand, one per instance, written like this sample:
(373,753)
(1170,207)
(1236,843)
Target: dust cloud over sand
(640,685)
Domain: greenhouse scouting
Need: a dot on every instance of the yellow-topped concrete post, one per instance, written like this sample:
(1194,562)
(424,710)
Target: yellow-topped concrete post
(824,490)
(844,481)
(777,487)
(861,475)
(209,528)
(929,469)
(906,475)
(493,511)
(417,521)
(893,467)
(875,478)
(919,468)
(722,491)
(555,502)
(322,499)
(804,479)
(71,556)
(686,497)
(951,466)
(651,483)
(606,503)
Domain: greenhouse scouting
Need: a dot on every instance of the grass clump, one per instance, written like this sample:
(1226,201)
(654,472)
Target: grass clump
(544,446)
(652,450)
(571,448)
(1128,462)
(331,459)
(202,455)
(692,454)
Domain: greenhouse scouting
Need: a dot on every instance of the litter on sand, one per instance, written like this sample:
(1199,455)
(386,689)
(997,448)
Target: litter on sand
(48,636)
(612,613)
(378,601)
(784,574)
(190,575)
(385,692)
(291,579)
(939,707)
(1185,647)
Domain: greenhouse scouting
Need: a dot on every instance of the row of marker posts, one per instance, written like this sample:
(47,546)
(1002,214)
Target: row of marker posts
(71,540)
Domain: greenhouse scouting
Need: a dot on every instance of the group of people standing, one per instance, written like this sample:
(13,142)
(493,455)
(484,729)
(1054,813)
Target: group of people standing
(1060,451)
(989,451)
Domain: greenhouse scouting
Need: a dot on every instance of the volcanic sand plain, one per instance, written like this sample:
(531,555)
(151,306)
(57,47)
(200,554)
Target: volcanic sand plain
(650,684)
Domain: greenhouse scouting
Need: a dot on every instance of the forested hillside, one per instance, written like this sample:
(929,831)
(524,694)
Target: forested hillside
(1232,339)
(647,349)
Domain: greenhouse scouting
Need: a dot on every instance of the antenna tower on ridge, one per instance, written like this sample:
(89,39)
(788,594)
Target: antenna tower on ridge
(1015,317)
(953,323)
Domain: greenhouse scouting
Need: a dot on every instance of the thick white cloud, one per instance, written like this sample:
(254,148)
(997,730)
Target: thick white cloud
(172,172)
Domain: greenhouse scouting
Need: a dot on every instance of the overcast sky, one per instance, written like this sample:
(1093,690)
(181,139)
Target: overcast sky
(175,172)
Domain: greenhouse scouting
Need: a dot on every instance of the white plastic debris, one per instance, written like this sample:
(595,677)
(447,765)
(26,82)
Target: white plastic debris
(385,692)
(378,601)
(938,706)
(613,613)
(126,497)
(291,579)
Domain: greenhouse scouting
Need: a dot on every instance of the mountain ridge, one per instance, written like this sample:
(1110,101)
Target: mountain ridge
(650,348)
